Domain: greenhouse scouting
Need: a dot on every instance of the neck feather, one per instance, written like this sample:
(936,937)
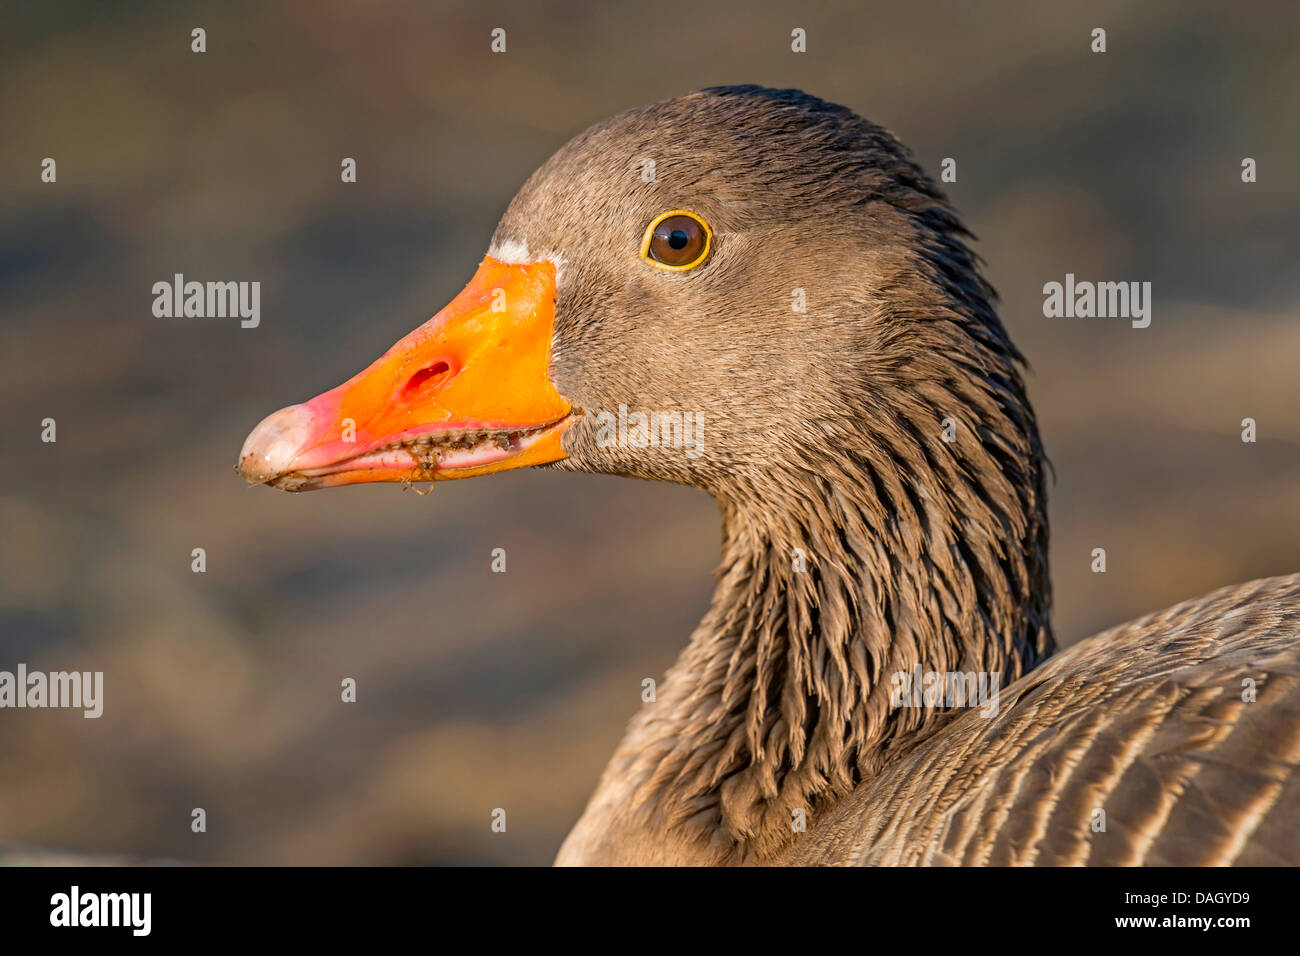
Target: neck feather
(897,552)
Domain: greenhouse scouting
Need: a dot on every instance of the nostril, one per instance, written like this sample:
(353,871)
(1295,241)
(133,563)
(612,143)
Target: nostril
(429,377)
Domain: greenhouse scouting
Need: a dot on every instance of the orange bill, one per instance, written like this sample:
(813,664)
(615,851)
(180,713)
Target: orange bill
(465,394)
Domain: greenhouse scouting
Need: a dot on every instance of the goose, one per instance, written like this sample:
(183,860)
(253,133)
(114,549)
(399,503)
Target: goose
(882,489)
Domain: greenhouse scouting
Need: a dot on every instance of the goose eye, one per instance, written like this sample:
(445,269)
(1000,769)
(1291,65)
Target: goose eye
(676,241)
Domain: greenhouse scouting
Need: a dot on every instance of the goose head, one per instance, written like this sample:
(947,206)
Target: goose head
(777,275)
(820,290)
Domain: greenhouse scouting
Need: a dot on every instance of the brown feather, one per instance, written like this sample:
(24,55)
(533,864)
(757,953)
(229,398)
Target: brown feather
(921,553)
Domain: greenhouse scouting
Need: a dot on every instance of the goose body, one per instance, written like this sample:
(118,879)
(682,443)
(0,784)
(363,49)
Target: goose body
(881,482)
(1182,726)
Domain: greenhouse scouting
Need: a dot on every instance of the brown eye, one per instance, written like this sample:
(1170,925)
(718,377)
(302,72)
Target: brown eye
(676,241)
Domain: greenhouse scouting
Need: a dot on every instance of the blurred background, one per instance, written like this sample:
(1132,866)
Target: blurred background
(222,688)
